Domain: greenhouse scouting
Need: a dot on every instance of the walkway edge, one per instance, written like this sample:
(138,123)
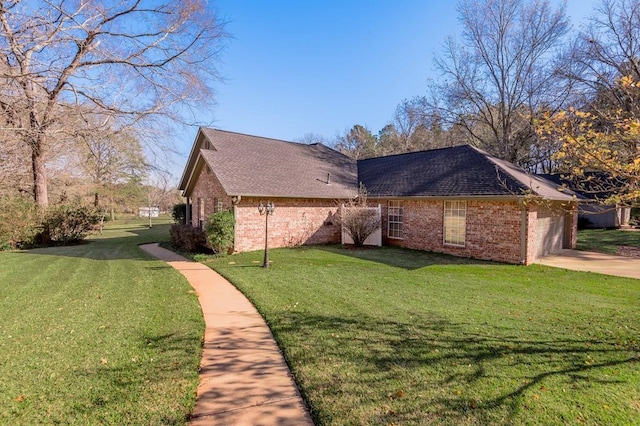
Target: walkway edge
(244,378)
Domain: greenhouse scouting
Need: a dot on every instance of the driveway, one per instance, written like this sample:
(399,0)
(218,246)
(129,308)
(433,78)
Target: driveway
(594,262)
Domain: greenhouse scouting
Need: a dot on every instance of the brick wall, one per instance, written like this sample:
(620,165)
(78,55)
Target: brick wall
(531,218)
(294,222)
(493,229)
(207,189)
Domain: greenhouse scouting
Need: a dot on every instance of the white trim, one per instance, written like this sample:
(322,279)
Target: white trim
(400,222)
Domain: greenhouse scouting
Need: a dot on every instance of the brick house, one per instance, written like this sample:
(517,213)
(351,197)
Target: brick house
(458,200)
(593,212)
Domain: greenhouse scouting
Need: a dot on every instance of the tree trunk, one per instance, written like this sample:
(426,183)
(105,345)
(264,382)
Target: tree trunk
(40,191)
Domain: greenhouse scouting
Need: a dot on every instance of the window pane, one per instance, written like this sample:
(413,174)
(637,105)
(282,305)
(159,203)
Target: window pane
(395,219)
(455,222)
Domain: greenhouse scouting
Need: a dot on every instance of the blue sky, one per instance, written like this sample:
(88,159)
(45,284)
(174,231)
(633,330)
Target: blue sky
(293,67)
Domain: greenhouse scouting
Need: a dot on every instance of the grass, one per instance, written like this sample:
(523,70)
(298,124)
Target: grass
(97,333)
(393,336)
(606,240)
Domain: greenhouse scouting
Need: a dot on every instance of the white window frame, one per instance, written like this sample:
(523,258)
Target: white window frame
(395,219)
(218,205)
(455,223)
(200,212)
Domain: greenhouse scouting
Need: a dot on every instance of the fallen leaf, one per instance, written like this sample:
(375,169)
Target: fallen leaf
(20,398)
(535,396)
(103,361)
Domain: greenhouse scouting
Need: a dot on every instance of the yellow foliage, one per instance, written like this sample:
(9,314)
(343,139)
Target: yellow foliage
(608,142)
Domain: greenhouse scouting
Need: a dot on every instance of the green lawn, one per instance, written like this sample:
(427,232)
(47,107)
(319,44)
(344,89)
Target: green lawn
(606,240)
(393,336)
(97,334)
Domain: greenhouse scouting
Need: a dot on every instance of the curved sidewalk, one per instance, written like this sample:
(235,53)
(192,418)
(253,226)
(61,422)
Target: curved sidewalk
(244,379)
(590,261)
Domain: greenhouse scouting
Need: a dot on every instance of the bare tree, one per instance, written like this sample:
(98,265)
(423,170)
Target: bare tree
(608,49)
(358,220)
(598,149)
(416,126)
(501,74)
(311,138)
(131,59)
(110,158)
(14,165)
(160,193)
(357,143)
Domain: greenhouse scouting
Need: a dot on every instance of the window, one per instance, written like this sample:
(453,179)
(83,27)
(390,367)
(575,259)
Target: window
(217,205)
(455,222)
(200,212)
(396,217)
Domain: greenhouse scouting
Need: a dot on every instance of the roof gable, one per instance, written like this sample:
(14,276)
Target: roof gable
(256,166)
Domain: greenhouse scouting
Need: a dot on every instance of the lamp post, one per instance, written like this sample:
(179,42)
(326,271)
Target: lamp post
(266,210)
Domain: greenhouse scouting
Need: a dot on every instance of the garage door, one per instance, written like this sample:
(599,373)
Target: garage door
(549,232)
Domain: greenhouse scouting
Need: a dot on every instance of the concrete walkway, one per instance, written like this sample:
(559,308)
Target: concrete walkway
(244,379)
(594,262)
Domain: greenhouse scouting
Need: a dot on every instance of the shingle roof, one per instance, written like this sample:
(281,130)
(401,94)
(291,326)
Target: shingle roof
(256,166)
(461,171)
(595,186)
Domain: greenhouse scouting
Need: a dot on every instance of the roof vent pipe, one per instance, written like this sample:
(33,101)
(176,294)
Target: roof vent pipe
(328,178)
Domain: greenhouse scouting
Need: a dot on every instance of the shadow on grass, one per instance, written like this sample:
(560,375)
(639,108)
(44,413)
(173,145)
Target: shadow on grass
(494,369)
(113,244)
(399,257)
(129,384)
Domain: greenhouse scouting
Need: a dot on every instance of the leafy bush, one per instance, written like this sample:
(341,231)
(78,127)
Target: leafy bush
(188,238)
(179,213)
(220,231)
(19,223)
(68,223)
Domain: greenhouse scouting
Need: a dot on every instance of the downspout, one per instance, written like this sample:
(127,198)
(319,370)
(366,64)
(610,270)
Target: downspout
(523,232)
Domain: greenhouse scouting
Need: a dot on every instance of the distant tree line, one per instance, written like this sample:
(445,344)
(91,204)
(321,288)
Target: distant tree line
(519,84)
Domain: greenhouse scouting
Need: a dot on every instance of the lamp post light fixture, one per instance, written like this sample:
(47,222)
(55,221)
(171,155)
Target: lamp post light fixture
(266,210)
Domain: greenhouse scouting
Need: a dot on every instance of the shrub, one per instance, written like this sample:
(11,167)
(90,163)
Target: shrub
(179,213)
(68,223)
(188,238)
(220,231)
(19,223)
(358,220)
